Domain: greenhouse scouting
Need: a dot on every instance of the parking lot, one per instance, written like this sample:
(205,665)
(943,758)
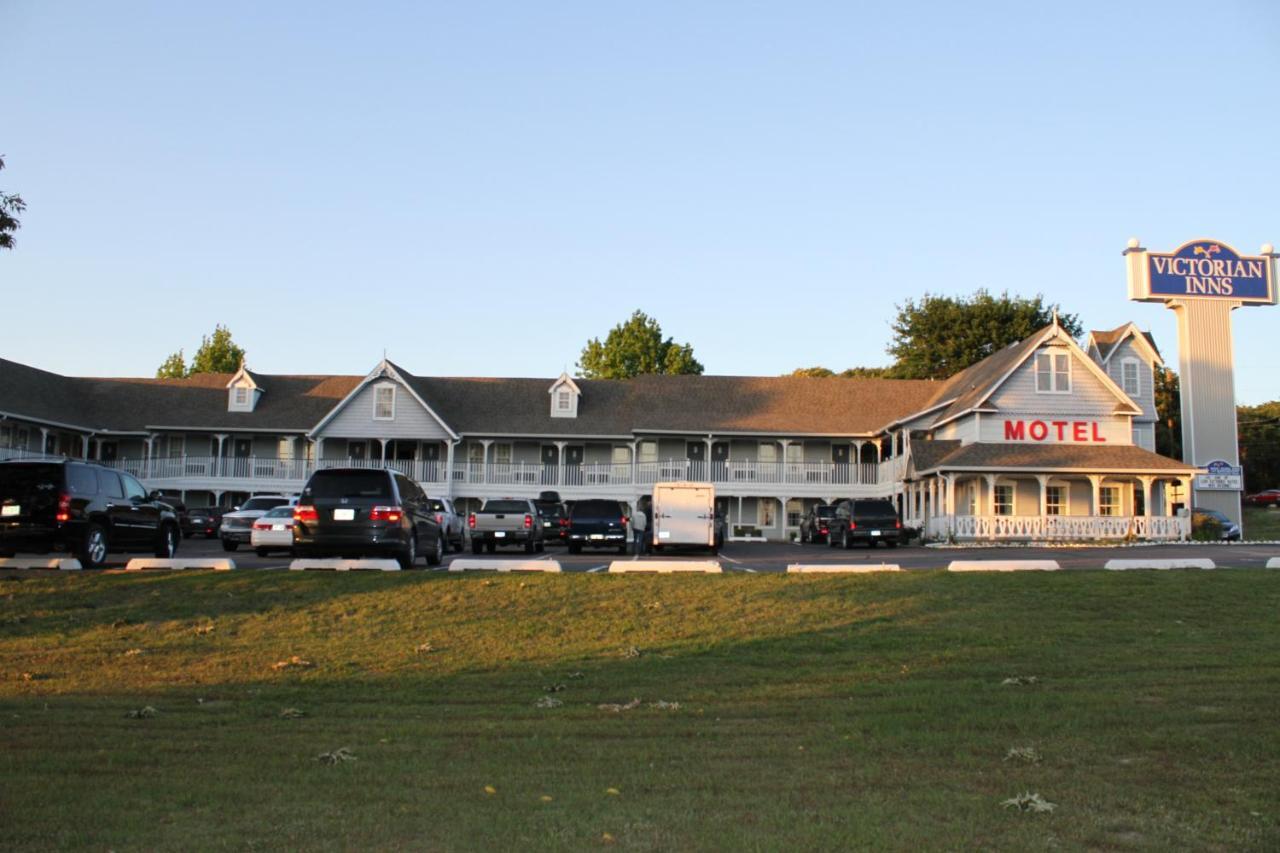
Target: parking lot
(776,556)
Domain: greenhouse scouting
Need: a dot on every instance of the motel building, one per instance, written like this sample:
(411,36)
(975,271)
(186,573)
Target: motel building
(1043,440)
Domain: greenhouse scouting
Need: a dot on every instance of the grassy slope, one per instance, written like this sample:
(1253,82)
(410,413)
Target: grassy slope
(815,712)
(1262,524)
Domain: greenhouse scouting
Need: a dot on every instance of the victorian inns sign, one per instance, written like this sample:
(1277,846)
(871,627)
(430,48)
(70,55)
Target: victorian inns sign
(1204,268)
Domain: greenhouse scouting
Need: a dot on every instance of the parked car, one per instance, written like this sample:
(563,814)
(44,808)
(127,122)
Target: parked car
(273,531)
(866,521)
(366,512)
(204,521)
(237,525)
(597,524)
(1230,530)
(450,522)
(1267,498)
(814,525)
(505,522)
(81,509)
(555,523)
(180,511)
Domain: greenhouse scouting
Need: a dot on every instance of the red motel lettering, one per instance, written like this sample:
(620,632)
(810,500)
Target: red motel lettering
(1075,431)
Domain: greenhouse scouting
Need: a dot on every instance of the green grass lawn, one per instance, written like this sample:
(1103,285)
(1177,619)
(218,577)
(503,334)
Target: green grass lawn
(1261,524)
(814,713)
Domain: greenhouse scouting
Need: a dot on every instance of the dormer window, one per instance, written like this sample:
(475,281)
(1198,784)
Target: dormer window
(242,395)
(1053,373)
(564,397)
(384,402)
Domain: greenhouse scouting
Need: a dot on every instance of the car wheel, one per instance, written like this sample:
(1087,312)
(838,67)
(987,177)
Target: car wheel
(831,541)
(476,547)
(529,546)
(167,546)
(409,555)
(575,549)
(261,552)
(93,551)
(844,540)
(436,555)
(542,547)
(228,545)
(491,547)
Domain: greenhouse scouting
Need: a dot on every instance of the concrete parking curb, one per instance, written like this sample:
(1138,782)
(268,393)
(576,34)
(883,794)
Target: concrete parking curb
(344,566)
(461,565)
(664,567)
(1273,563)
(1003,566)
(1128,565)
(859,568)
(65,564)
(217,564)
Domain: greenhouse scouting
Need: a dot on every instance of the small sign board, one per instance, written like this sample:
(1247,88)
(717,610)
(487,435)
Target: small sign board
(1206,270)
(1220,476)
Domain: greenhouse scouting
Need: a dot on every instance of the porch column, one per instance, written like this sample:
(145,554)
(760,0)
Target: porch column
(151,453)
(84,446)
(44,441)
(484,466)
(951,494)
(990,480)
(560,469)
(879,443)
(1095,481)
(382,449)
(707,460)
(932,497)
(448,469)
(857,462)
(217,460)
(785,442)
(319,444)
(1148,492)
(634,445)
(1043,480)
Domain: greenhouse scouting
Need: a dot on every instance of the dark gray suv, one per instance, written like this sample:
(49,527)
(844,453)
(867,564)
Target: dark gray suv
(81,509)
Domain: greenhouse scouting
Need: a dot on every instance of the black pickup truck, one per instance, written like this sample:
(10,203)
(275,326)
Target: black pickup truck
(868,521)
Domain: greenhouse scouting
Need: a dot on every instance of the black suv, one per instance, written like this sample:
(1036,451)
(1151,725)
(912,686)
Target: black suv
(81,509)
(816,523)
(597,524)
(868,521)
(361,512)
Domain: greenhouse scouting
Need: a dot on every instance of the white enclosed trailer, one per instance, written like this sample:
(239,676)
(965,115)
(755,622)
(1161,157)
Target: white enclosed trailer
(684,515)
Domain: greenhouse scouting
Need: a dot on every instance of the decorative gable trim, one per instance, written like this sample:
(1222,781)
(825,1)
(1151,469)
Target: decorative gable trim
(1131,331)
(243,391)
(385,370)
(565,395)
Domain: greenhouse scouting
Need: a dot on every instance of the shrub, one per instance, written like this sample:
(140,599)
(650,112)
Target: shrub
(1205,528)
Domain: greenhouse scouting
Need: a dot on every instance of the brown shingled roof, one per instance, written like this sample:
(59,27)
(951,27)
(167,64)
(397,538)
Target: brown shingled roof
(1047,457)
(1107,339)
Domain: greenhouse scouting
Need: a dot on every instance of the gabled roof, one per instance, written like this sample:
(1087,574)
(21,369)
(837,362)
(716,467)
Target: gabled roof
(969,389)
(244,371)
(385,369)
(1043,458)
(567,380)
(1109,340)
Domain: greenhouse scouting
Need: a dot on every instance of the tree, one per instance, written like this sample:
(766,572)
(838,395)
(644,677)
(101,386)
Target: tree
(634,348)
(941,335)
(11,205)
(847,373)
(217,354)
(1259,431)
(174,367)
(815,372)
(1168,413)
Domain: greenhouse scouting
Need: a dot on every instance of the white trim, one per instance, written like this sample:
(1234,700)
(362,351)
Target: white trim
(378,387)
(1053,372)
(1013,498)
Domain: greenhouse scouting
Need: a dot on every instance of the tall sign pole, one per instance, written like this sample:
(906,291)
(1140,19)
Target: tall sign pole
(1202,282)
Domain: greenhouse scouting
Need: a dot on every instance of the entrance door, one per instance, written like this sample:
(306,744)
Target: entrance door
(696,453)
(719,461)
(550,455)
(840,461)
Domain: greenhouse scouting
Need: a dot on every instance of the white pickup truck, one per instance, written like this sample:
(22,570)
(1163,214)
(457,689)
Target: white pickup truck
(507,521)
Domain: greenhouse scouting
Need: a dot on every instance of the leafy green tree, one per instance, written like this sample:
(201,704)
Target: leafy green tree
(174,367)
(815,372)
(217,354)
(634,348)
(847,373)
(1168,413)
(941,335)
(11,205)
(1259,436)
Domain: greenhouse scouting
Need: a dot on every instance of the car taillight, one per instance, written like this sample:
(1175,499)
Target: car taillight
(386,513)
(897,522)
(822,530)
(439,518)
(564,522)
(262,525)
(64,508)
(305,513)
(624,521)
(471,520)
(853,525)
(528,521)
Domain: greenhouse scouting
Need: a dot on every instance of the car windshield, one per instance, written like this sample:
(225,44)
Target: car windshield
(280,512)
(349,484)
(506,506)
(872,507)
(435,504)
(825,511)
(263,503)
(595,510)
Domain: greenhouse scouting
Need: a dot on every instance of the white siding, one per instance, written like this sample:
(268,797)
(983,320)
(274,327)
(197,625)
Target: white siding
(1144,435)
(964,429)
(355,419)
(1146,378)
(1088,397)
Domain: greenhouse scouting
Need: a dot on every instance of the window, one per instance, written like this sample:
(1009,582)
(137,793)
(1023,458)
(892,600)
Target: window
(177,446)
(384,402)
(648,451)
(1055,500)
(563,400)
(1129,377)
(971,499)
(132,488)
(475,453)
(1109,500)
(795,453)
(502,454)
(284,449)
(764,512)
(1002,500)
(109,484)
(1053,373)
(242,395)
(795,512)
(621,455)
(768,452)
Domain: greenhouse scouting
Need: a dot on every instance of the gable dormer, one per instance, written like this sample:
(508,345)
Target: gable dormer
(242,391)
(565,394)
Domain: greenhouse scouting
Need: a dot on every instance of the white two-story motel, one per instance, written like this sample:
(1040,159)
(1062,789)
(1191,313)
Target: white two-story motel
(1041,440)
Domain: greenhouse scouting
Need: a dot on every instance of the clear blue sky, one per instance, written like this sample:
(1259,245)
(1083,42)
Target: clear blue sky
(479,187)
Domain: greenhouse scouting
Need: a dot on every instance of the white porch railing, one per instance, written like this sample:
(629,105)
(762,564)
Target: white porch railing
(996,528)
